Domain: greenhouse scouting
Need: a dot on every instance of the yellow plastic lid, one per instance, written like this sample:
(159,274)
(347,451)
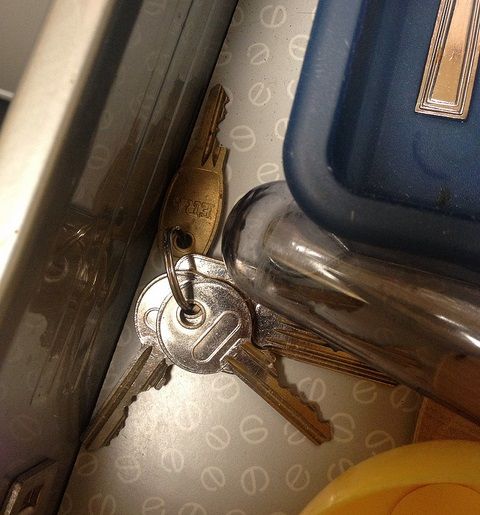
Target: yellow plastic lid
(431,478)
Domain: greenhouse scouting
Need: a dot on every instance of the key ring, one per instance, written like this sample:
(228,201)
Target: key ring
(186,305)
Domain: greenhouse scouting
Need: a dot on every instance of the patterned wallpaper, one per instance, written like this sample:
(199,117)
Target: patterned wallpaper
(206,444)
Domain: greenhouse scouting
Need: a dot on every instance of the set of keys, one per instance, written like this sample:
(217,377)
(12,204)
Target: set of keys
(223,332)
(195,318)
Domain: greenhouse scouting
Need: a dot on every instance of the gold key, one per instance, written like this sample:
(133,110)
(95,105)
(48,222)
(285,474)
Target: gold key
(194,199)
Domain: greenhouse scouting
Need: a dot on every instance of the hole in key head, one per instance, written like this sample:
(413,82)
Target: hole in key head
(193,319)
(183,241)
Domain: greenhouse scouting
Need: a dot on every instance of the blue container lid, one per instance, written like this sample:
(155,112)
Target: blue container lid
(358,159)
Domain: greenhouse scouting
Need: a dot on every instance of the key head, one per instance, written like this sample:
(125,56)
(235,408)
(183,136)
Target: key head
(201,343)
(194,199)
(148,304)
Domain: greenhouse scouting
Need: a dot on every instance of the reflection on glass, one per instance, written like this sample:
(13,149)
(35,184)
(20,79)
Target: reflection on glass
(420,328)
(73,283)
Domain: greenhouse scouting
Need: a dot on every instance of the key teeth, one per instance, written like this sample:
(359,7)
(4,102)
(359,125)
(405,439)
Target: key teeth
(254,366)
(100,432)
(222,117)
(114,435)
(91,440)
(161,383)
(293,389)
(121,425)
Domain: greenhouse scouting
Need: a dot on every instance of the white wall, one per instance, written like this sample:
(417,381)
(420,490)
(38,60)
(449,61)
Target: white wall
(20,23)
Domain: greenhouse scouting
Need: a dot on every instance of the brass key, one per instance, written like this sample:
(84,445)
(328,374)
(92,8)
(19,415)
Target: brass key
(194,199)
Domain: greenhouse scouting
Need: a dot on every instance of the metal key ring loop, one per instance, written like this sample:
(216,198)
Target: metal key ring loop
(186,305)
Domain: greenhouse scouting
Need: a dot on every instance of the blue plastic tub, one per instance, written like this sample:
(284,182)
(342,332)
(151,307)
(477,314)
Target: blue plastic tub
(358,158)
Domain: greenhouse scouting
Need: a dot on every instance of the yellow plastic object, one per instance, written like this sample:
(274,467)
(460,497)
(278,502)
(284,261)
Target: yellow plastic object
(431,478)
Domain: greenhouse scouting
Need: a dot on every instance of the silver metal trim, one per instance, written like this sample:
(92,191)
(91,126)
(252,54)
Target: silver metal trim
(451,67)
(40,116)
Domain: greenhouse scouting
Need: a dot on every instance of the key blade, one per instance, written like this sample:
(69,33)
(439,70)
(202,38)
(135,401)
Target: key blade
(290,340)
(207,145)
(147,370)
(256,368)
(194,198)
(328,358)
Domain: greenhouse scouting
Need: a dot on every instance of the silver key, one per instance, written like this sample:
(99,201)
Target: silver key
(148,369)
(284,338)
(217,339)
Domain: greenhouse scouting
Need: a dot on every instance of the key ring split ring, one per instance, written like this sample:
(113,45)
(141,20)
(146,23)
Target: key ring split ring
(186,305)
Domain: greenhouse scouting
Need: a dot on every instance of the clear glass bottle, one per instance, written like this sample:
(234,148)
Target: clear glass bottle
(422,329)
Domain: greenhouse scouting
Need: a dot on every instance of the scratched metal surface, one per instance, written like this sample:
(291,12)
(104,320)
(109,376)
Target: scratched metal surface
(206,444)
